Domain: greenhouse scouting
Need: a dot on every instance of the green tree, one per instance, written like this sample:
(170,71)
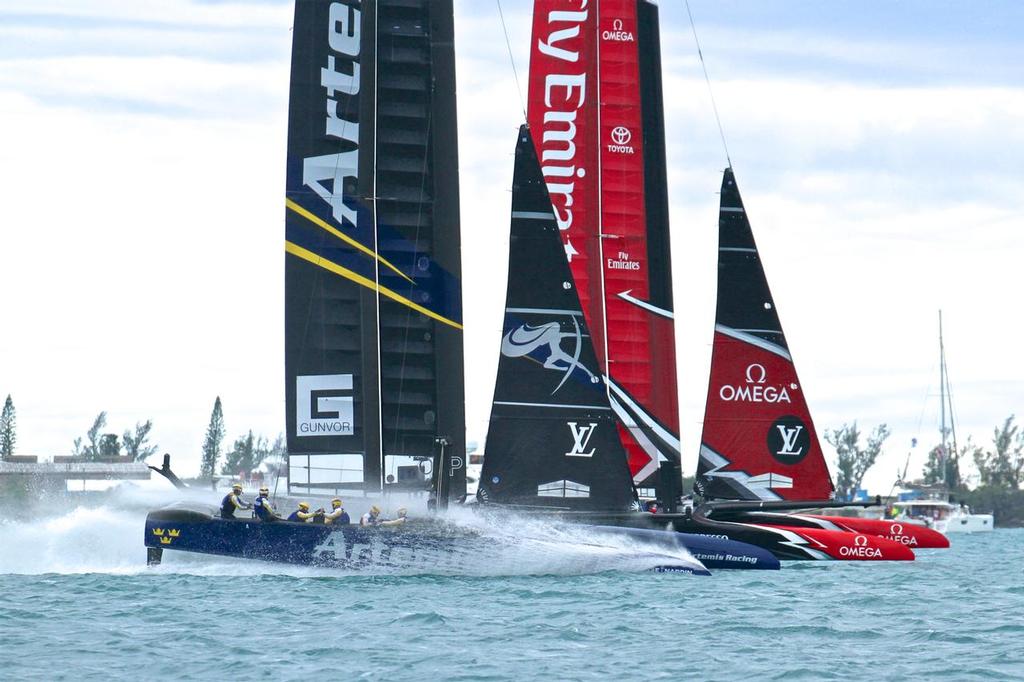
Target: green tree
(110,446)
(1003,465)
(93,450)
(135,445)
(853,461)
(944,470)
(8,435)
(248,453)
(213,442)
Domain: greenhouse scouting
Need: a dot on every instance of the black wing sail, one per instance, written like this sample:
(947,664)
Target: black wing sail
(421,356)
(552,439)
(373,321)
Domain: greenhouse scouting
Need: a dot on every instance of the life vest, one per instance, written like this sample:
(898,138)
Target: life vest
(227,507)
(295,516)
(263,509)
(341,519)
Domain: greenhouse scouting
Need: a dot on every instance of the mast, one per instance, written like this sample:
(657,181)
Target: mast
(946,400)
(373,320)
(942,399)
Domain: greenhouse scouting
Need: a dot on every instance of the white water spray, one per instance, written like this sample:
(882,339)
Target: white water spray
(109,539)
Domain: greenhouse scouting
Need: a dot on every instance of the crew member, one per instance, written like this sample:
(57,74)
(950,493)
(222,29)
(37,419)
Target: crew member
(302,514)
(337,516)
(262,507)
(402,512)
(232,501)
(371,518)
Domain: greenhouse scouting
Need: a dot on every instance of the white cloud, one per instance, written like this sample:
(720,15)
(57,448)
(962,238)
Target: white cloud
(169,13)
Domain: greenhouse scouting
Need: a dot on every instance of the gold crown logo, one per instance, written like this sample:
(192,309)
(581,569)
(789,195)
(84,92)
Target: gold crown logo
(165,540)
(174,532)
(158,531)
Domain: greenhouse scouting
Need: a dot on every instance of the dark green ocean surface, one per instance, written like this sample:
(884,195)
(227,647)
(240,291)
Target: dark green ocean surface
(76,603)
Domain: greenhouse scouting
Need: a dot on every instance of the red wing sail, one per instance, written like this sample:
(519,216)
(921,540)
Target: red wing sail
(562,114)
(759,441)
(604,165)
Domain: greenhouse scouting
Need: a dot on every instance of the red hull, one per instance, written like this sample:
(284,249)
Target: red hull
(843,546)
(910,535)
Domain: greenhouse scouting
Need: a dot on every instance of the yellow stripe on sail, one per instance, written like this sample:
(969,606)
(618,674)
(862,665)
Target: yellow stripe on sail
(322,262)
(342,236)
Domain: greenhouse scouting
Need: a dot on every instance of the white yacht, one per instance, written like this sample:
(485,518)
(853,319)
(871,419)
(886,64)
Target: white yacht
(930,505)
(943,515)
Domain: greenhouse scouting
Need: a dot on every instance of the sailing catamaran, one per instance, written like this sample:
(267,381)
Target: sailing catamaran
(930,506)
(759,448)
(373,320)
(595,108)
(552,447)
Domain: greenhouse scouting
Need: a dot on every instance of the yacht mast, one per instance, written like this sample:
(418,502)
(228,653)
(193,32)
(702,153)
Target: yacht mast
(942,398)
(946,394)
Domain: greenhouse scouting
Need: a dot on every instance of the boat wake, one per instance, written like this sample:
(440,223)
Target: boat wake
(83,540)
(108,539)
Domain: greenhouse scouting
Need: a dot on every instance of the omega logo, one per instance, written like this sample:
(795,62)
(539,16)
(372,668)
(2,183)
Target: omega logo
(758,371)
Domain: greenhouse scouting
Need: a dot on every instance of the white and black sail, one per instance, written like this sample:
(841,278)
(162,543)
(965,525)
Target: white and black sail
(552,439)
(373,321)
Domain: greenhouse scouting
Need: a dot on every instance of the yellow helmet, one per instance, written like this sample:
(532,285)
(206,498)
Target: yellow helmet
(304,506)
(237,486)
(336,502)
(375,509)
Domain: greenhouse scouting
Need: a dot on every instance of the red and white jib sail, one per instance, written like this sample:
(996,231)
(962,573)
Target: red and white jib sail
(596,115)
(759,441)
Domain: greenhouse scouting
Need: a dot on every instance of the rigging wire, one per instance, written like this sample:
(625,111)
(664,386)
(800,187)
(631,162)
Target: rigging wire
(952,416)
(511,59)
(711,94)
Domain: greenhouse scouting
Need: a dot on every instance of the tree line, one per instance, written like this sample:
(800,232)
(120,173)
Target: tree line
(1000,465)
(247,454)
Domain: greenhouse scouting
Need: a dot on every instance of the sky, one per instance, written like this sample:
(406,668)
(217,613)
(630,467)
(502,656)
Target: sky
(879,148)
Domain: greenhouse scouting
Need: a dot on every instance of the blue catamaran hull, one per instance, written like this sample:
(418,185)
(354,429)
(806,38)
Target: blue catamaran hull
(344,547)
(427,545)
(712,551)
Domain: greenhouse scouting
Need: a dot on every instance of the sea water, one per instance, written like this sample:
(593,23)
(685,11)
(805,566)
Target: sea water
(77,602)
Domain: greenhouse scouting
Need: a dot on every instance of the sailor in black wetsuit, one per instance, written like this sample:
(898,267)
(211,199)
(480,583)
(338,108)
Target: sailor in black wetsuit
(233,501)
(262,508)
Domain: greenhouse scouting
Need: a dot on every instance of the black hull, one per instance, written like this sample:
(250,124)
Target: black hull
(699,531)
(714,548)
